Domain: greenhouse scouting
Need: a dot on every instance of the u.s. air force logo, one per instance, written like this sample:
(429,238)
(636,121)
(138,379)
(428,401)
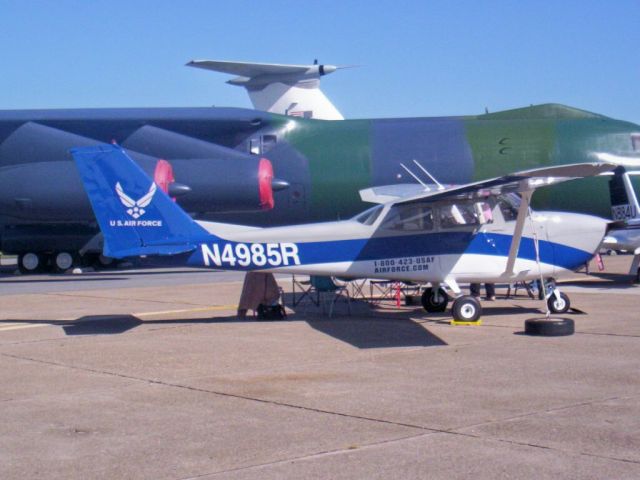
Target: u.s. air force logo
(136,208)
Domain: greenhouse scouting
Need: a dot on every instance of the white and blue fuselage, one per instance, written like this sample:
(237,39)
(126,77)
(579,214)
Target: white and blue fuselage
(458,236)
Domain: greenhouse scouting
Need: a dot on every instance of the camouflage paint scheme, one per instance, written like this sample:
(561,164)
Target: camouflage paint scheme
(326,163)
(462,149)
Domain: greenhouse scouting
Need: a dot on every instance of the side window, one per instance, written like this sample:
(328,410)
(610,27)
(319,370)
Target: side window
(254,146)
(484,212)
(509,206)
(458,215)
(409,218)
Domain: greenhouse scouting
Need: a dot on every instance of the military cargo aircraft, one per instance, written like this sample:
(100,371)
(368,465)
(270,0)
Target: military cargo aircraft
(468,233)
(259,168)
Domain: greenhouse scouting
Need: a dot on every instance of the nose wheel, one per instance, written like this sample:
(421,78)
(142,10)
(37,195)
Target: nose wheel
(558,302)
(466,309)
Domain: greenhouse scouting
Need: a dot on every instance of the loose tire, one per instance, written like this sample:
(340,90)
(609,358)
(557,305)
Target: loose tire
(466,309)
(549,327)
(30,262)
(435,300)
(558,305)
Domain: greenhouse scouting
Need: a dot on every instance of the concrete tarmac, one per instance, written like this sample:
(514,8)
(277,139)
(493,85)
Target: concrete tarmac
(151,376)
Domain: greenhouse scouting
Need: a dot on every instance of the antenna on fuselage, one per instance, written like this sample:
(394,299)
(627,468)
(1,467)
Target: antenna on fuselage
(416,177)
(440,186)
(426,172)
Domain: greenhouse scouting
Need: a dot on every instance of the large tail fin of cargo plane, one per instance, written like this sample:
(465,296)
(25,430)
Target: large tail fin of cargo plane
(136,217)
(285,89)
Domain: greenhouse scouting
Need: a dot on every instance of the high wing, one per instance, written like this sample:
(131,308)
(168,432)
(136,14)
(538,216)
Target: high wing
(526,180)
(519,182)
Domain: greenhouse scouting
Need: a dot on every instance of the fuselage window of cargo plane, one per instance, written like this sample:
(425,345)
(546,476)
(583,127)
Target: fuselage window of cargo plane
(268,142)
(258,146)
(635,141)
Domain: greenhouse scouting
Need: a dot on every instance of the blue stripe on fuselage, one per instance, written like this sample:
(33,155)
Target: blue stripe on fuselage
(444,243)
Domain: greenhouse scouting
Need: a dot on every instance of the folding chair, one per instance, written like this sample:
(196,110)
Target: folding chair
(301,289)
(326,293)
(380,290)
(354,285)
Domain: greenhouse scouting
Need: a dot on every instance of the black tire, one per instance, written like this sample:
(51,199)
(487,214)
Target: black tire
(30,262)
(63,261)
(431,304)
(556,305)
(549,327)
(466,309)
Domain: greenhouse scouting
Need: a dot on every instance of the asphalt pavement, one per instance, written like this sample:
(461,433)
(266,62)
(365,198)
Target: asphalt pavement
(149,374)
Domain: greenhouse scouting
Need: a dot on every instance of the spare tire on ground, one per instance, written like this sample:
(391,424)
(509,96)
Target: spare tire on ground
(549,327)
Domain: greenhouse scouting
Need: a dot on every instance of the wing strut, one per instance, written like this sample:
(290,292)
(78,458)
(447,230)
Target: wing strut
(517,232)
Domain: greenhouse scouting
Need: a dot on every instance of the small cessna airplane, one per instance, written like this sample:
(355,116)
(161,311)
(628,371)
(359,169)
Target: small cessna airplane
(444,236)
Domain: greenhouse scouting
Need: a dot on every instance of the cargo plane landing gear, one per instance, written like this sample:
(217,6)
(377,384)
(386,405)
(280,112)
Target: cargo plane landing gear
(60,261)
(31,262)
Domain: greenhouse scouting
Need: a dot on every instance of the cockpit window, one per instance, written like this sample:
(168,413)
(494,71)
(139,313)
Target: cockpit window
(408,218)
(369,217)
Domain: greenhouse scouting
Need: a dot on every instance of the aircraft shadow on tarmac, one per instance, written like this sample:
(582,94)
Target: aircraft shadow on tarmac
(605,280)
(390,330)
(59,279)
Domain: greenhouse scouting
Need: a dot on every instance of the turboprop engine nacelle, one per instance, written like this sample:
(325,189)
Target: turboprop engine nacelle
(40,182)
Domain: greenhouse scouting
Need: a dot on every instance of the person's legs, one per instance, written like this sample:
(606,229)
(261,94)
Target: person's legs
(490,288)
(474,289)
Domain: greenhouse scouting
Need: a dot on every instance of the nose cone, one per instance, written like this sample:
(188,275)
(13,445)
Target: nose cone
(575,237)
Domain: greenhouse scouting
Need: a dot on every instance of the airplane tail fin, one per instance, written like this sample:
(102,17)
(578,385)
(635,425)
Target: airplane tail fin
(285,89)
(624,203)
(136,217)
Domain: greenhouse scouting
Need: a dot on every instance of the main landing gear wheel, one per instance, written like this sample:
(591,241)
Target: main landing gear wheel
(558,305)
(435,300)
(549,327)
(466,309)
(30,262)
(62,261)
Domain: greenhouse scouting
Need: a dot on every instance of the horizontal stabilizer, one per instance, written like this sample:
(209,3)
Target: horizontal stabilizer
(279,88)
(249,70)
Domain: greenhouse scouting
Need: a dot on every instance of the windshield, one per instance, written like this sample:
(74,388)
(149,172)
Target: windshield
(369,217)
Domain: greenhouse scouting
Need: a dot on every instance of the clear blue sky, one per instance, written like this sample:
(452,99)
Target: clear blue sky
(418,58)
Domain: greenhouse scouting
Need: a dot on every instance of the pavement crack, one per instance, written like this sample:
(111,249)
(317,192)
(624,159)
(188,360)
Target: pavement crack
(230,395)
(308,456)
